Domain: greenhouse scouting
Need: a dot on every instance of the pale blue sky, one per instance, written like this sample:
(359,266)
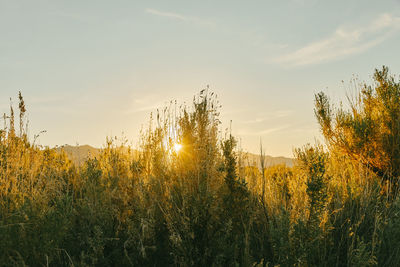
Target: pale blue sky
(89,69)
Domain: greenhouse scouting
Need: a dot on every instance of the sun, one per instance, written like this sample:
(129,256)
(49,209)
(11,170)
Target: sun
(177,147)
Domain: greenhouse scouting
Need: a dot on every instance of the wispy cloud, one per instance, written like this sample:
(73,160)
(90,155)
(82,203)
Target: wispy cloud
(167,14)
(145,108)
(278,114)
(177,16)
(256,120)
(45,100)
(304,2)
(145,103)
(345,41)
(264,132)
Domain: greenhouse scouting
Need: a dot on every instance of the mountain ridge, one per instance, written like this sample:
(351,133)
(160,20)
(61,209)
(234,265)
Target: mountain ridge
(79,154)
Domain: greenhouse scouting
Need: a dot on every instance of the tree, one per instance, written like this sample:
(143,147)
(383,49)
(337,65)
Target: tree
(369,132)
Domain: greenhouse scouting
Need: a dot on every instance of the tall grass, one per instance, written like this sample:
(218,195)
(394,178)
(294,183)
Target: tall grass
(199,206)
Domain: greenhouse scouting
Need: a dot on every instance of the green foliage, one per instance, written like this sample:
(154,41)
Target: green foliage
(313,160)
(369,132)
(200,205)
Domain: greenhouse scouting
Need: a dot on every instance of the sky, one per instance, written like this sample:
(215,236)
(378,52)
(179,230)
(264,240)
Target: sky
(92,69)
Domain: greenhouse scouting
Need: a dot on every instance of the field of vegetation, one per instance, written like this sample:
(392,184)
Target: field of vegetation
(185,196)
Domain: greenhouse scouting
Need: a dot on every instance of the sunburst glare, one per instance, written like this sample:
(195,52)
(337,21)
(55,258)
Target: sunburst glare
(177,147)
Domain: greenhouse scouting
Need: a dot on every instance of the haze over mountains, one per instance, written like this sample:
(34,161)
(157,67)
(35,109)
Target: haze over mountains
(79,154)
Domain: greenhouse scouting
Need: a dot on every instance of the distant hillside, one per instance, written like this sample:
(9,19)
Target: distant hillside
(254,159)
(79,154)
